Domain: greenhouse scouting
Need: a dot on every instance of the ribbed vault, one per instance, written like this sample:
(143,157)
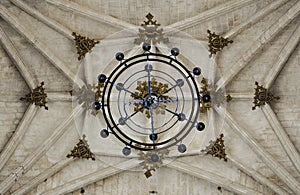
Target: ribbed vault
(262,145)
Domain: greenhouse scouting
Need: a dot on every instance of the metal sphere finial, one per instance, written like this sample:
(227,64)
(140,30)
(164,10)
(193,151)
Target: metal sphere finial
(196,71)
(181,148)
(206,98)
(104,133)
(146,46)
(126,150)
(102,78)
(97,105)
(175,51)
(119,56)
(200,126)
(181,117)
(154,157)
(153,136)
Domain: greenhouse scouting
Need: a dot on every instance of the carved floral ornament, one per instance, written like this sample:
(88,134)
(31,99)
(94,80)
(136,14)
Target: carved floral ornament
(87,96)
(158,88)
(211,97)
(150,33)
(82,150)
(216,42)
(262,96)
(83,44)
(206,97)
(216,148)
(151,160)
(37,96)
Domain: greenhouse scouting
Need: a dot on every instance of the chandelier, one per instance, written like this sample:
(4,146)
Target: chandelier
(150,101)
(148,93)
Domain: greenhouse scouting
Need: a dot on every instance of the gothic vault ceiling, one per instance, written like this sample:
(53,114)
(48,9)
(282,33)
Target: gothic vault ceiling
(262,145)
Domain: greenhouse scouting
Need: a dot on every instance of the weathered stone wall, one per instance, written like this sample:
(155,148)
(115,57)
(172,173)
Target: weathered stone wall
(12,88)
(286,86)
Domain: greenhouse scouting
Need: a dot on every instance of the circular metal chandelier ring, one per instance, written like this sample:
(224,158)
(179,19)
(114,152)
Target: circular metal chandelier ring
(151,101)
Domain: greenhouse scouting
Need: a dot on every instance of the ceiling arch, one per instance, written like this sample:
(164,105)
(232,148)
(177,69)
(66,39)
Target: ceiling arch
(262,145)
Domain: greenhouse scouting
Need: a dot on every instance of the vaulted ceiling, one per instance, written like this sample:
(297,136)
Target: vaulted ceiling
(262,145)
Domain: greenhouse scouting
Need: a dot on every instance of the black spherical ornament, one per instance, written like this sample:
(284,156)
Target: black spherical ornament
(146,46)
(196,71)
(200,126)
(120,86)
(180,82)
(181,117)
(206,98)
(104,133)
(97,105)
(102,78)
(126,150)
(148,67)
(154,157)
(119,56)
(122,121)
(181,148)
(175,51)
(82,191)
(153,136)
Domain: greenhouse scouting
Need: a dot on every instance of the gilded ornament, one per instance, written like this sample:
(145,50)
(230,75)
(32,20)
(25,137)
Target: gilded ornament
(204,92)
(262,96)
(83,44)
(82,150)
(142,90)
(216,43)
(228,98)
(216,148)
(37,96)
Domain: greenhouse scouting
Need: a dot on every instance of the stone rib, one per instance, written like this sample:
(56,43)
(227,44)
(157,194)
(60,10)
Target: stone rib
(266,37)
(46,20)
(17,59)
(38,153)
(279,170)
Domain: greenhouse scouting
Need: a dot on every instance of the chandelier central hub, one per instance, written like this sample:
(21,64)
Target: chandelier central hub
(151,102)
